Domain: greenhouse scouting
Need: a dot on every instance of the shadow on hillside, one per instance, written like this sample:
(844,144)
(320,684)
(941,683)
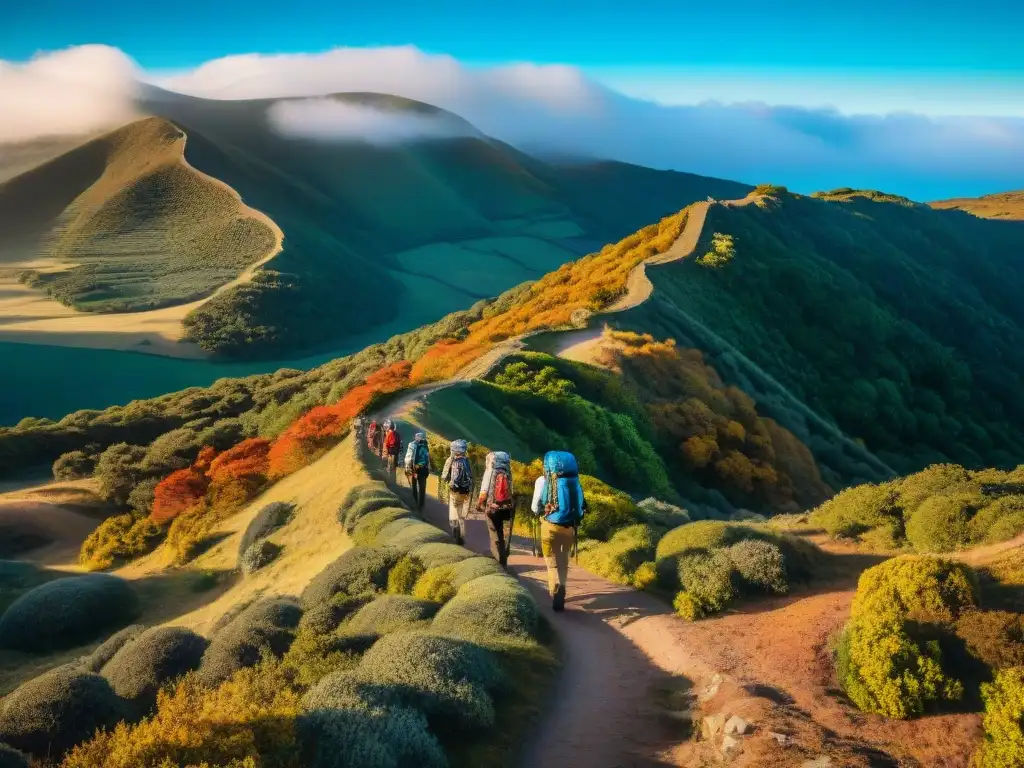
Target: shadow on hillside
(168,595)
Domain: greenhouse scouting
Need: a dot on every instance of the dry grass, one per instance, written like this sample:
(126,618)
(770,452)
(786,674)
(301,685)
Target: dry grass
(1005,205)
(123,223)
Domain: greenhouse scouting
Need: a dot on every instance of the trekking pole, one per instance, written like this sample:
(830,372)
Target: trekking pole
(511,530)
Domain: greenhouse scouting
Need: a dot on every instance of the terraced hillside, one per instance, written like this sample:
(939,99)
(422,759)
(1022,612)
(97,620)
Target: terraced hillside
(123,223)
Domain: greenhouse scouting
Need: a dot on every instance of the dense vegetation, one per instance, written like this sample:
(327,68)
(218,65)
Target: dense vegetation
(940,509)
(900,323)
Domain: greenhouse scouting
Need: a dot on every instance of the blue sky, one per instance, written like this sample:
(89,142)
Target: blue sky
(937,57)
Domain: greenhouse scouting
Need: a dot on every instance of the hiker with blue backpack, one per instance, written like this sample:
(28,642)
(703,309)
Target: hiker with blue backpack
(458,474)
(417,468)
(559,503)
(497,503)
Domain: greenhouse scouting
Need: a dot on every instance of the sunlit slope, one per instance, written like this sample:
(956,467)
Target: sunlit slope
(898,323)
(123,223)
(400,233)
(1003,205)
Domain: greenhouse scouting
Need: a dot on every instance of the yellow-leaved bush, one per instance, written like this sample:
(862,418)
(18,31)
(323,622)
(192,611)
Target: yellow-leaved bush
(1003,746)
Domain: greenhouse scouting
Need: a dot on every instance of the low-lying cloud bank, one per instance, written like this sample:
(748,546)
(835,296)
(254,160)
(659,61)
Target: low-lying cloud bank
(548,109)
(327,120)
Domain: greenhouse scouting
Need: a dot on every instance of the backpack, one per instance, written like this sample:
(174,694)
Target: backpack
(393,442)
(500,491)
(562,492)
(461,475)
(422,456)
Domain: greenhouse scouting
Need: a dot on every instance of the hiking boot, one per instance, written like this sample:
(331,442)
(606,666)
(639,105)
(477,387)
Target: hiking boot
(558,599)
(457,533)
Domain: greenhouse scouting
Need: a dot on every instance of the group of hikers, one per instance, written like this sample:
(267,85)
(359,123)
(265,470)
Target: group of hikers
(558,503)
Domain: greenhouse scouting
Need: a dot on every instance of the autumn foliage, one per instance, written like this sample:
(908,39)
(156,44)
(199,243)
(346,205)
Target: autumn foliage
(177,493)
(239,473)
(444,359)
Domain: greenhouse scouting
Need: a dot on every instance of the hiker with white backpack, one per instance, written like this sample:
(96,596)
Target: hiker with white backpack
(417,468)
(458,474)
(559,503)
(497,503)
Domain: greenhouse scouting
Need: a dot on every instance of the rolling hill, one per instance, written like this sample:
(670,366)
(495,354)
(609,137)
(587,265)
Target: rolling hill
(1003,205)
(373,232)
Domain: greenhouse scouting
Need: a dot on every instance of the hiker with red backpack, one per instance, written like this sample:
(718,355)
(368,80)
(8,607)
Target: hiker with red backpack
(417,468)
(497,503)
(559,503)
(374,437)
(458,474)
(392,448)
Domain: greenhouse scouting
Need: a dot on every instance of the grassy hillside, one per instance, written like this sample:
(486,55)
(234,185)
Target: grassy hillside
(122,223)
(899,323)
(1003,205)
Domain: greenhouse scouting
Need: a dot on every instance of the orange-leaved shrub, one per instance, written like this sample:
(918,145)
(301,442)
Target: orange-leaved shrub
(445,358)
(179,492)
(239,474)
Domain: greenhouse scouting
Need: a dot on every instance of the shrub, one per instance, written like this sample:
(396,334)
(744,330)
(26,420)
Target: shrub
(1003,745)
(473,568)
(434,555)
(698,536)
(74,465)
(266,628)
(313,656)
(51,713)
(662,514)
(708,579)
(96,660)
(402,578)
(607,510)
(760,566)
(413,535)
(369,737)
(119,539)
(368,527)
(389,613)
(258,555)
(12,758)
(363,499)
(884,671)
(994,637)
(178,493)
(489,610)
(151,659)
(270,517)
(618,558)
(437,584)
(142,497)
(67,612)
(941,524)
(359,570)
(325,617)
(239,474)
(247,721)
(687,606)
(119,470)
(857,510)
(645,576)
(918,587)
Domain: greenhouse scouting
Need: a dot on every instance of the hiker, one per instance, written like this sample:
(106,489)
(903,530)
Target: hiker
(497,504)
(392,448)
(459,476)
(558,501)
(417,468)
(385,428)
(358,427)
(374,437)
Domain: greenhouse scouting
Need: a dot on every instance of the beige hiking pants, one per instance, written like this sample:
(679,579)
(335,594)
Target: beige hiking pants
(458,508)
(556,544)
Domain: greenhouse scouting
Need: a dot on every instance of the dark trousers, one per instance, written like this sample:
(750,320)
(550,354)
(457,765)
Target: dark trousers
(419,486)
(496,520)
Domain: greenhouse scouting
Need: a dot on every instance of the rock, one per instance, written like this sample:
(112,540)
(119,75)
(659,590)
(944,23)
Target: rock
(819,762)
(737,725)
(729,743)
(782,738)
(711,726)
(708,692)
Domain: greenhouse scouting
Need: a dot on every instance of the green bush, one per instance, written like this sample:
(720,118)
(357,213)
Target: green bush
(402,578)
(855,511)
(489,610)
(259,555)
(918,587)
(618,558)
(700,536)
(391,530)
(437,584)
(325,617)
(264,628)
(74,465)
(607,510)
(50,714)
(1003,745)
(368,737)
(414,535)
(151,659)
(367,529)
(359,570)
(883,670)
(363,499)
(708,579)
(996,638)
(119,539)
(12,758)
(67,612)
(941,523)
(270,517)
(434,555)
(96,660)
(661,514)
(389,613)
(473,568)
(760,565)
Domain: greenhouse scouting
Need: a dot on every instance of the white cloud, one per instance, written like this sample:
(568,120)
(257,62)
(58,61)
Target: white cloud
(327,119)
(70,92)
(558,109)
